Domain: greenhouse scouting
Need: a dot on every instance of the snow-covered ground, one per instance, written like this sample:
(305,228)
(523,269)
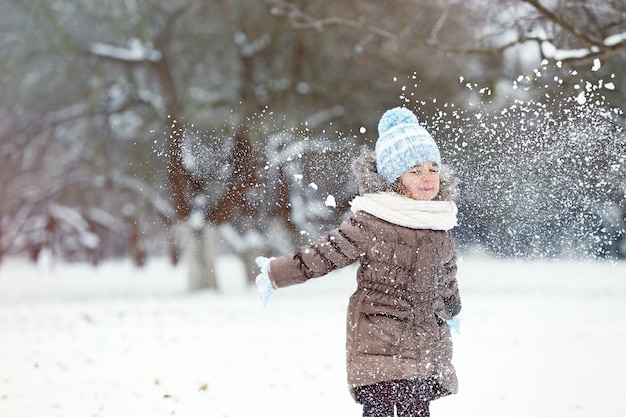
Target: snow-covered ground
(537,339)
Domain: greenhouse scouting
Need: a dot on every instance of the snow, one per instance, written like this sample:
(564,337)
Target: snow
(537,339)
(596,65)
(137,51)
(551,51)
(615,39)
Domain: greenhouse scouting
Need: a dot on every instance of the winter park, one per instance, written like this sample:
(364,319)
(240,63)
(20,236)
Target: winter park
(445,182)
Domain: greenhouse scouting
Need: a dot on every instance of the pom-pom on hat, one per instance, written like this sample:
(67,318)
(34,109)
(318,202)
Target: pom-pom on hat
(402,144)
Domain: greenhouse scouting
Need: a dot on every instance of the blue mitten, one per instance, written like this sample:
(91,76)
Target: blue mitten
(455,324)
(266,289)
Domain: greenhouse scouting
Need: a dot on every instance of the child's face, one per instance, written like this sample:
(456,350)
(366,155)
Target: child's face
(421,182)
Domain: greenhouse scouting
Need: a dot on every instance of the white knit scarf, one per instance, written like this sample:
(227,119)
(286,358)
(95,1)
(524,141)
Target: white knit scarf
(404,211)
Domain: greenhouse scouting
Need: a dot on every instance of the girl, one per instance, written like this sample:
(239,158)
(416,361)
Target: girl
(399,347)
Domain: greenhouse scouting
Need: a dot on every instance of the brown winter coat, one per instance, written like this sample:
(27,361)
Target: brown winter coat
(406,290)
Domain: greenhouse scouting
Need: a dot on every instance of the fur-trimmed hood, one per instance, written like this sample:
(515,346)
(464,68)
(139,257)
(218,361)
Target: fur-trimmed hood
(369,181)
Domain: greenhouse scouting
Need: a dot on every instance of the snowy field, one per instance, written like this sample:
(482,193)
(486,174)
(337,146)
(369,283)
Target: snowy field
(537,339)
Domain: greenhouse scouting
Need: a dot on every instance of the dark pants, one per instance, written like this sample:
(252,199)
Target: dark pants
(410,397)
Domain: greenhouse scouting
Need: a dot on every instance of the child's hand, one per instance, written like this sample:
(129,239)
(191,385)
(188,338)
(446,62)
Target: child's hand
(455,324)
(266,289)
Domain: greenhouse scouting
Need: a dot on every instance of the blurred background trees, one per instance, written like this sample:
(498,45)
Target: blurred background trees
(194,128)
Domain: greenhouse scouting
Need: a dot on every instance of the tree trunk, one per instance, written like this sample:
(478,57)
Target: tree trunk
(199,254)
(197,244)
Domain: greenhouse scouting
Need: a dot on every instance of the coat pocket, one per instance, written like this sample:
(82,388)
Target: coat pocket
(380,328)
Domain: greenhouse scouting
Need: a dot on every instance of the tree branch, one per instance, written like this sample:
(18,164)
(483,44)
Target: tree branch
(594,48)
(301,20)
(563,24)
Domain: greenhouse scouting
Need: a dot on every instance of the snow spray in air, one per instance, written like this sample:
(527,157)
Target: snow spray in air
(542,166)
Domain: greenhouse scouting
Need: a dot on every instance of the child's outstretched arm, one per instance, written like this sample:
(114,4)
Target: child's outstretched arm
(337,250)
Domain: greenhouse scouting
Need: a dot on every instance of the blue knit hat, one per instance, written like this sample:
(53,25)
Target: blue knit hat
(402,144)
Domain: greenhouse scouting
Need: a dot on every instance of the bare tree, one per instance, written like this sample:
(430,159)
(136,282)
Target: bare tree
(574,32)
(228,121)
(128,85)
